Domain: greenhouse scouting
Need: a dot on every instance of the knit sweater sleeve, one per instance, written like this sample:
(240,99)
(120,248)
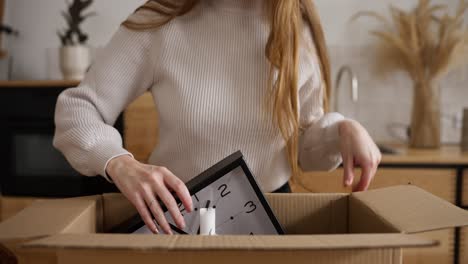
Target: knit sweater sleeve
(85,115)
(319,141)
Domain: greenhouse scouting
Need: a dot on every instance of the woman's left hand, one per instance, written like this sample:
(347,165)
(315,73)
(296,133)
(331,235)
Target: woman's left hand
(358,149)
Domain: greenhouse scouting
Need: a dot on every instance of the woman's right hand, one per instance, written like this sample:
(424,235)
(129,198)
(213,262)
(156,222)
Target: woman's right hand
(144,184)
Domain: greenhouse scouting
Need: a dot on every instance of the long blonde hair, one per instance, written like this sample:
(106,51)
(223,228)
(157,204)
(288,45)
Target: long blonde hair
(287,19)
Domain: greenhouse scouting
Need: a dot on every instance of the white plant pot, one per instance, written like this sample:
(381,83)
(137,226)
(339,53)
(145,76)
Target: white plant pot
(74,61)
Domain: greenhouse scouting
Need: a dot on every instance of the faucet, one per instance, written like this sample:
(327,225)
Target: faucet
(354,84)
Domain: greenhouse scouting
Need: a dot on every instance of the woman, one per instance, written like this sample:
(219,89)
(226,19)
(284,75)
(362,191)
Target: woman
(226,75)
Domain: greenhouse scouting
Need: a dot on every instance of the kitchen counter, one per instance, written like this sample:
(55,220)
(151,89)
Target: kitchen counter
(38,84)
(446,155)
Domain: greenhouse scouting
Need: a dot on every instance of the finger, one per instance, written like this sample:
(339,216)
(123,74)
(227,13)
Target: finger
(170,203)
(153,204)
(145,214)
(366,176)
(181,190)
(348,164)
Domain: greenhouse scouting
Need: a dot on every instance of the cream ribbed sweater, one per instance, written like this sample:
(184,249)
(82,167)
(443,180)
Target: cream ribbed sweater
(208,74)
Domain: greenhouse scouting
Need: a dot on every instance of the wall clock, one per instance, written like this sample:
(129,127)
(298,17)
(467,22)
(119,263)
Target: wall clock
(230,188)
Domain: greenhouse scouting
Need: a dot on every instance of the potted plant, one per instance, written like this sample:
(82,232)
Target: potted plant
(9,31)
(427,43)
(5,29)
(75,55)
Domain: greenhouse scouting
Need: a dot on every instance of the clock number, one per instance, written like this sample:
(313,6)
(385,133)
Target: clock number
(223,188)
(252,206)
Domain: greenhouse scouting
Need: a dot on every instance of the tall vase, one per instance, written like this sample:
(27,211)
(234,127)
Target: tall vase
(425,120)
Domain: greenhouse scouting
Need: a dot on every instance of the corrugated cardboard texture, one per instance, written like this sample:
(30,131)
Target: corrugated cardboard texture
(215,243)
(410,209)
(38,256)
(44,218)
(116,209)
(373,256)
(48,217)
(363,220)
(299,214)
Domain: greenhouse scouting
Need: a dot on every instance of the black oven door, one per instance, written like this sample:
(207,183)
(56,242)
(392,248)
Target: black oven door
(33,167)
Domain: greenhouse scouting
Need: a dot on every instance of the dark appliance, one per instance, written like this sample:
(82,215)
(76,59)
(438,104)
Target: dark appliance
(30,165)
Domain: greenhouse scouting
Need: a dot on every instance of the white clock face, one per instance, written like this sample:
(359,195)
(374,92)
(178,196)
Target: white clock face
(237,205)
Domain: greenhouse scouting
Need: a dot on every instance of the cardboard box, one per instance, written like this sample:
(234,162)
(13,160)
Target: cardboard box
(10,205)
(367,227)
(47,217)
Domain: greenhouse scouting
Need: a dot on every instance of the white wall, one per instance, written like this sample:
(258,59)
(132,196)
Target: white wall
(340,30)
(384,107)
(384,103)
(38,22)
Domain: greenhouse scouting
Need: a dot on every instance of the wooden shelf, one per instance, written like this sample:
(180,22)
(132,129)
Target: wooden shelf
(38,84)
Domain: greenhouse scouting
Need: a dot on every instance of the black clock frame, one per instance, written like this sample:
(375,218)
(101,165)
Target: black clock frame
(204,179)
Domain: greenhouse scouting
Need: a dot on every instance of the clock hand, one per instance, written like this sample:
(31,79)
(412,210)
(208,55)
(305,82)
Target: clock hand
(252,204)
(230,219)
(175,228)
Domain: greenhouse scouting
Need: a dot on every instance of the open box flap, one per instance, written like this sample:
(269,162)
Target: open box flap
(318,213)
(50,217)
(410,209)
(116,210)
(186,242)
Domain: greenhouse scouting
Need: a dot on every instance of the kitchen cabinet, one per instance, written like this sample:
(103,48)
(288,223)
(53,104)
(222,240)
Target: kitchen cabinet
(465,189)
(442,254)
(31,166)
(440,182)
(464,231)
(463,246)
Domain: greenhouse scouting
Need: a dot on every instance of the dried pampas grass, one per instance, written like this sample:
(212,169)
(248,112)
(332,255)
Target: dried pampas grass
(427,42)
